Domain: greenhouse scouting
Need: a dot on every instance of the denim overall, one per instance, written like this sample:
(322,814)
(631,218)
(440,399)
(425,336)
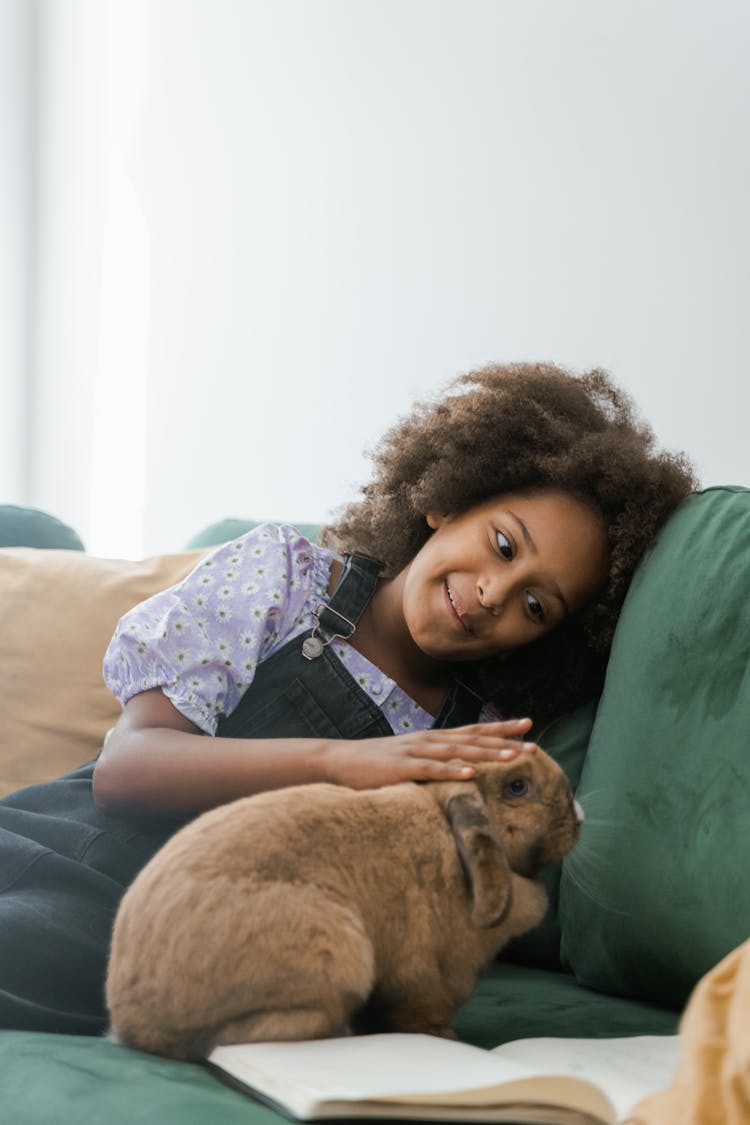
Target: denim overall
(64,865)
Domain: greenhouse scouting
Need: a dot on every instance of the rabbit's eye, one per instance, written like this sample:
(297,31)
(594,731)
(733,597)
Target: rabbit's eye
(518,787)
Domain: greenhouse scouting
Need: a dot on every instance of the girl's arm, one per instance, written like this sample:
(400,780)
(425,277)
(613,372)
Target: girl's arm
(155,760)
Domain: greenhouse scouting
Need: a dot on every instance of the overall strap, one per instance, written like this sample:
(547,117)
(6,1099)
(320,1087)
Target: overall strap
(338,616)
(462,706)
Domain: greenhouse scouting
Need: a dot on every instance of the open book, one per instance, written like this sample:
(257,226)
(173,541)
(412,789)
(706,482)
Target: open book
(540,1081)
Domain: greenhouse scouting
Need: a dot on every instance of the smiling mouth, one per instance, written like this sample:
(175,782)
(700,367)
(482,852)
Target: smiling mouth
(456,611)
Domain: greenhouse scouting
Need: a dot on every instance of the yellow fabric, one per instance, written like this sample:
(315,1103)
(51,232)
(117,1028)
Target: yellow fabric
(712,1084)
(58,610)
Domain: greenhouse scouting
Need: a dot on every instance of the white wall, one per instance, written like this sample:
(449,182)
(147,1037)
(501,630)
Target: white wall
(341,204)
(66,263)
(17,136)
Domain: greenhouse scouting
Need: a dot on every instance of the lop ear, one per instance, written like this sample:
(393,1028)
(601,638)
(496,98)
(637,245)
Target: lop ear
(482,856)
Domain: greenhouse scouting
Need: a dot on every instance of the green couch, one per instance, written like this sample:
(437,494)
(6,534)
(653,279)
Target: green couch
(655,894)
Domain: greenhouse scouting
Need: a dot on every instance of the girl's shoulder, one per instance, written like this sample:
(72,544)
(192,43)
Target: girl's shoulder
(275,534)
(279,546)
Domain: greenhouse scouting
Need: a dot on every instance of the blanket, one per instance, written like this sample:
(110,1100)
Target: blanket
(712,1083)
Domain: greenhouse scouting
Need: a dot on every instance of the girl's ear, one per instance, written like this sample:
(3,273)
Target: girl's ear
(435,520)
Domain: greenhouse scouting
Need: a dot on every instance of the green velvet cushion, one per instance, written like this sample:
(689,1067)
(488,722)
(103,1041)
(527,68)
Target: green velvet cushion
(224,530)
(658,890)
(22,526)
(77,1080)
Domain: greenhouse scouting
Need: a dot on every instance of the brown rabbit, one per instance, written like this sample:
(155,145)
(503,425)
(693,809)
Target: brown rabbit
(303,912)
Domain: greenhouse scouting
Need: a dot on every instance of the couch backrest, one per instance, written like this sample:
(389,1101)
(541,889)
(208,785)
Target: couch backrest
(22,526)
(658,890)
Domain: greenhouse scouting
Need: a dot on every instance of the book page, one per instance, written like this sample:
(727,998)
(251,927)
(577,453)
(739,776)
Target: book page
(627,1069)
(397,1068)
(374,1066)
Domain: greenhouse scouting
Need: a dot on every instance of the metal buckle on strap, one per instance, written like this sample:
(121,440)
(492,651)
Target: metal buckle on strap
(312,646)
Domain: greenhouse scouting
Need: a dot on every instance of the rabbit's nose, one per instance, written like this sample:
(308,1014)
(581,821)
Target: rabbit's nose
(579,812)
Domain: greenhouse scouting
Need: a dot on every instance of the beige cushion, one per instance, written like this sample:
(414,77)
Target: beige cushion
(58,611)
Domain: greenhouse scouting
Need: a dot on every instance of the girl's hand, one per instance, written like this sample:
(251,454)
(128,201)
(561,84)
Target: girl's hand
(424,755)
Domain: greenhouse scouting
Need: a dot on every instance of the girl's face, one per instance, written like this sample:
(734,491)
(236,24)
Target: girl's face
(502,574)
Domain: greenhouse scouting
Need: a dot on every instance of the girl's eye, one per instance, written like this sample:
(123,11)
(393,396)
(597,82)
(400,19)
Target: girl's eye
(518,787)
(536,609)
(504,545)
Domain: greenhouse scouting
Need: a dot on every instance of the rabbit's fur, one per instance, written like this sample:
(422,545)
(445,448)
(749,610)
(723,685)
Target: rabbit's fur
(303,912)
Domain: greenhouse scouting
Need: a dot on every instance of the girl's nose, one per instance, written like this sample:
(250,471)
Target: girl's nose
(492,594)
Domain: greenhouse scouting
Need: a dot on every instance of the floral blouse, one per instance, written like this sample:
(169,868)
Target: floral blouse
(201,640)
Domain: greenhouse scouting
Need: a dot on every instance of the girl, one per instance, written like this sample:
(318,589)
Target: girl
(483,571)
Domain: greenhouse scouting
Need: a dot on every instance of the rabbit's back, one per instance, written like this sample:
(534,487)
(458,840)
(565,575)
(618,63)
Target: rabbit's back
(273,901)
(290,833)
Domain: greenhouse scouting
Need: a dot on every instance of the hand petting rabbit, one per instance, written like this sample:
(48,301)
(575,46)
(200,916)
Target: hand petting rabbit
(306,912)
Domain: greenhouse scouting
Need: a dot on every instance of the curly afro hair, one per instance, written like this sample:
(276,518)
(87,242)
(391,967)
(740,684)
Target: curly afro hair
(524,428)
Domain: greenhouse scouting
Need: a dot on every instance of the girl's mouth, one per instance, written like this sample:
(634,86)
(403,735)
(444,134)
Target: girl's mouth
(456,608)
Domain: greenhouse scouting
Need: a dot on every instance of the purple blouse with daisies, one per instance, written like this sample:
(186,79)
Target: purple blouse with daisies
(201,640)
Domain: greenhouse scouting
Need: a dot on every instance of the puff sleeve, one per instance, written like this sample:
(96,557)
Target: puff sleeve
(201,640)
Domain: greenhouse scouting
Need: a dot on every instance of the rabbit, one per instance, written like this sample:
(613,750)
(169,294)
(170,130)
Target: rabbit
(318,910)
